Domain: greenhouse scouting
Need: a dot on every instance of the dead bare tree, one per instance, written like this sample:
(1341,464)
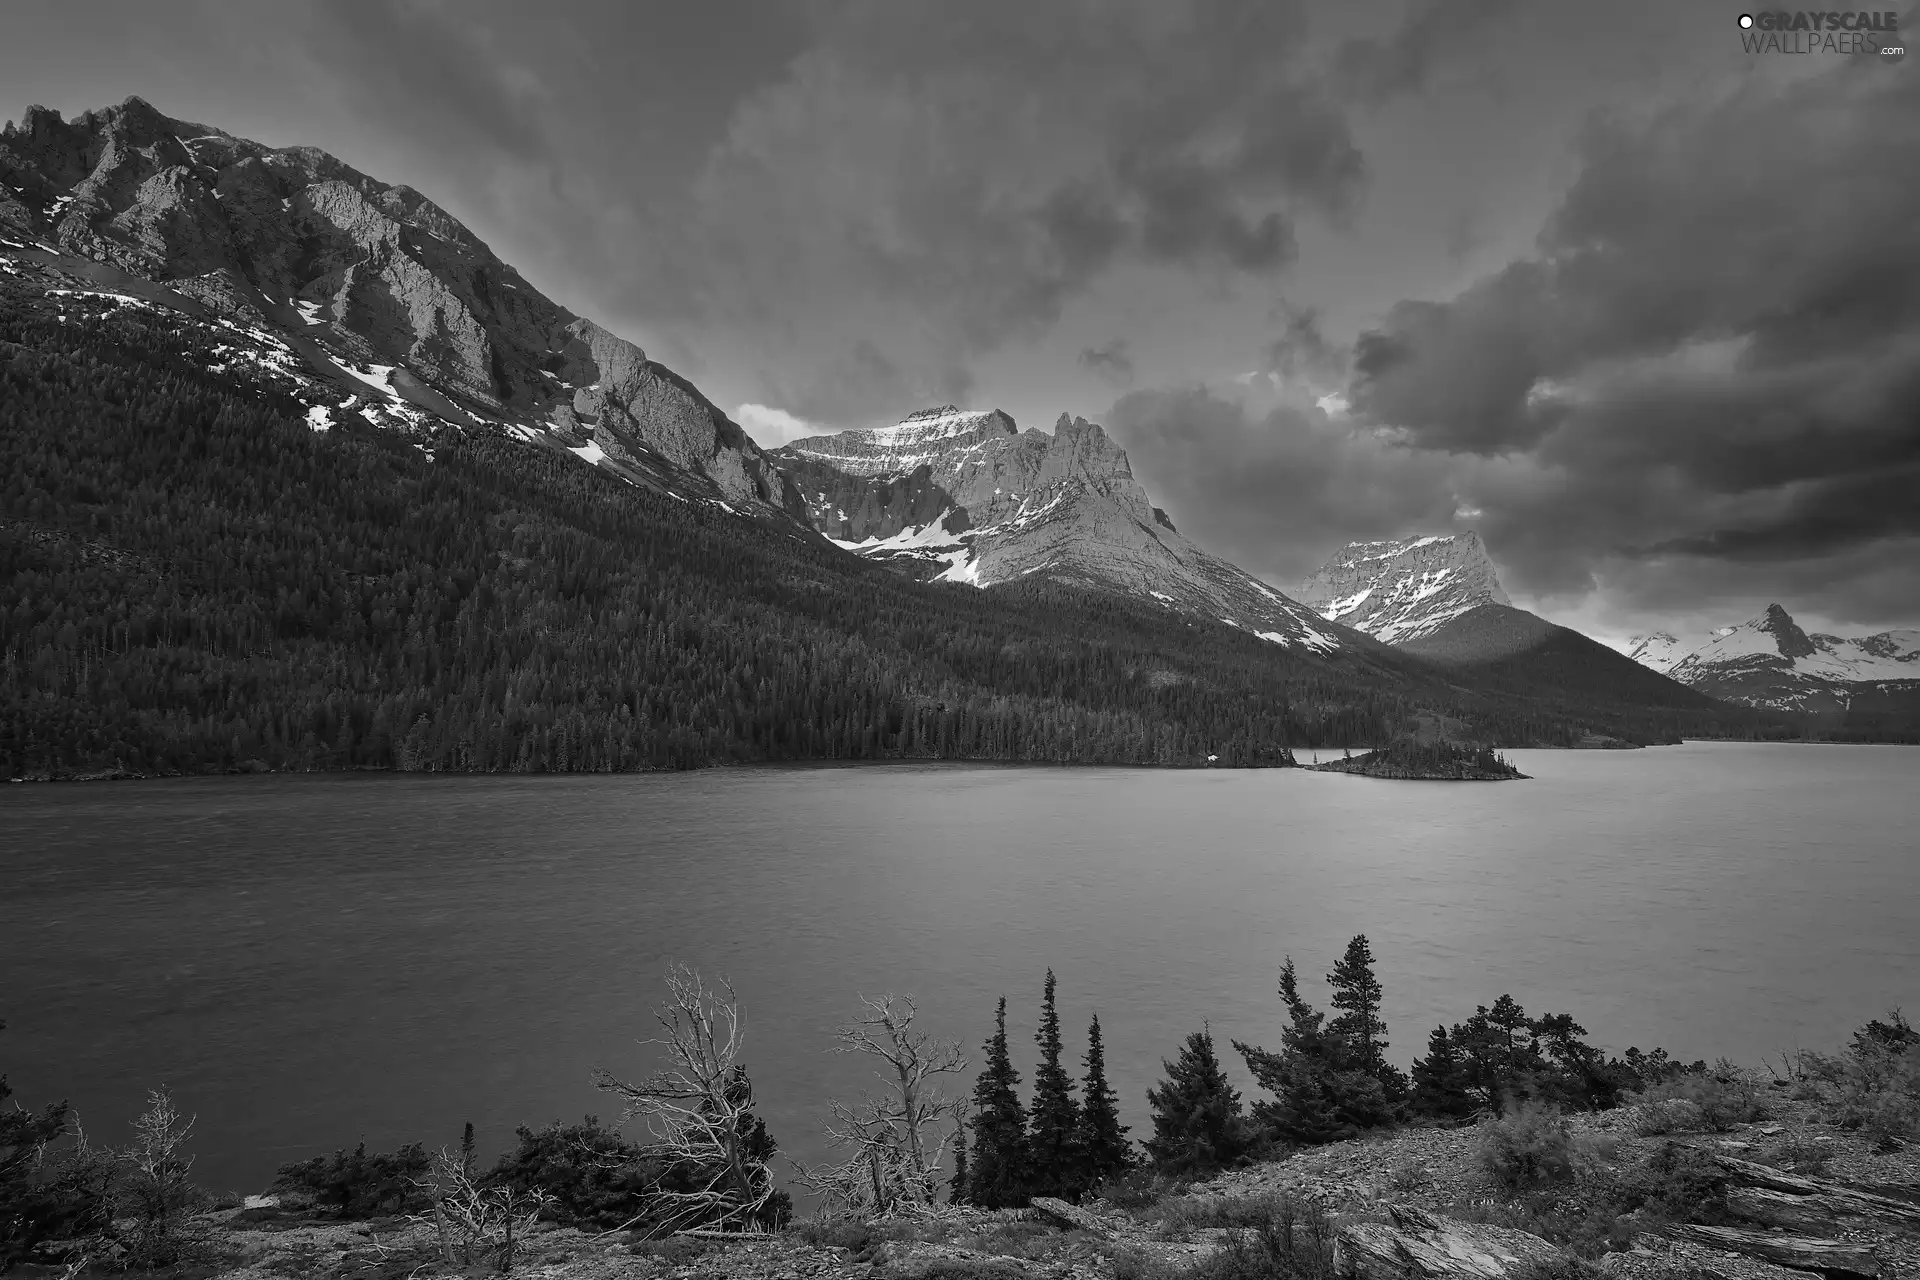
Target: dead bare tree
(894,1154)
(699,1111)
(472,1223)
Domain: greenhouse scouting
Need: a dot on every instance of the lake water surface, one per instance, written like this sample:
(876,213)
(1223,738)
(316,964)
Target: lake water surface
(311,960)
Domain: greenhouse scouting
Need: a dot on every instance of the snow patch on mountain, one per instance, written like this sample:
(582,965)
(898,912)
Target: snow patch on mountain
(1401,590)
(965,496)
(1774,644)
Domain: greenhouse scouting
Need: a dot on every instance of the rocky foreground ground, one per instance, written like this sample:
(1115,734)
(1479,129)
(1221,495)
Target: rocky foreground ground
(1407,1205)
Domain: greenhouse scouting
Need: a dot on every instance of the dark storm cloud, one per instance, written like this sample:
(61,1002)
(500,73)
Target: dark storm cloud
(1110,362)
(1377,69)
(1714,353)
(1277,490)
(953,175)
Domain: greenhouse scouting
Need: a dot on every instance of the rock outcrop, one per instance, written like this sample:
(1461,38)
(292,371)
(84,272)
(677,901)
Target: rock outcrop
(966,496)
(374,274)
(1402,590)
(1418,1245)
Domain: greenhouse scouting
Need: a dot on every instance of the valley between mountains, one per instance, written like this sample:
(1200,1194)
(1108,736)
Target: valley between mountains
(299,475)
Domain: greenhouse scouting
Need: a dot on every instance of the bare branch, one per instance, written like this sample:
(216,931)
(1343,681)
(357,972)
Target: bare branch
(698,1110)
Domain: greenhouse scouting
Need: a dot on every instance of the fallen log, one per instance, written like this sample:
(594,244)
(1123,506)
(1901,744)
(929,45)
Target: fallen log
(1424,1246)
(1071,1216)
(1802,1253)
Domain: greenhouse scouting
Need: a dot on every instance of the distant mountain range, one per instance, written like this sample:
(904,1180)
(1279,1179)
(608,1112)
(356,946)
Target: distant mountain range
(1770,662)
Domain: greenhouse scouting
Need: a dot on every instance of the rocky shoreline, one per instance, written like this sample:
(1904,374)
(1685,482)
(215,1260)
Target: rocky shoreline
(1413,1204)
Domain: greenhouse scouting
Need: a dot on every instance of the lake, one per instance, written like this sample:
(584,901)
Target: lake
(306,961)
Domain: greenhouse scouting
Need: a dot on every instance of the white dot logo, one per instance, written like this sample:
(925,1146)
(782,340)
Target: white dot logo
(1746,21)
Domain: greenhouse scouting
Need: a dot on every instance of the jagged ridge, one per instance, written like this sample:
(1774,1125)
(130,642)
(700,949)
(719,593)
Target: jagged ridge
(295,241)
(965,496)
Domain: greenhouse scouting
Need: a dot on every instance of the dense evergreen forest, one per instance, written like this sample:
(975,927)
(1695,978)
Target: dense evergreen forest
(191,579)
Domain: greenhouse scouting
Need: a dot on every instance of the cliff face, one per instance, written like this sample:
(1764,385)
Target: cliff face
(295,240)
(966,496)
(1402,590)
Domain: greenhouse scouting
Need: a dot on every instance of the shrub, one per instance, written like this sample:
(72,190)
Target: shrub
(353,1184)
(1564,1267)
(1409,1177)
(1139,1189)
(1874,1086)
(595,1177)
(1193,1213)
(855,1237)
(1529,1148)
(1667,1115)
(1726,1095)
(1809,1158)
(1292,1244)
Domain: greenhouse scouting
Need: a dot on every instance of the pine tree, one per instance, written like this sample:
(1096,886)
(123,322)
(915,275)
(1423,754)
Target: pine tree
(999,1176)
(1358,992)
(1053,1142)
(957,1185)
(1319,1094)
(1104,1149)
(1440,1081)
(1197,1126)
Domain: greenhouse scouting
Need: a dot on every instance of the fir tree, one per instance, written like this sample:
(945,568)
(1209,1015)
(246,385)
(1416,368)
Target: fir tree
(1361,1029)
(1358,992)
(1319,1093)
(957,1185)
(1440,1081)
(1104,1148)
(998,1178)
(1197,1126)
(1053,1142)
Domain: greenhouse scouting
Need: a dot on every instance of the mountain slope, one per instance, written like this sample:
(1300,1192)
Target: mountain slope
(1440,599)
(966,496)
(1399,591)
(1770,662)
(350,272)
(1507,649)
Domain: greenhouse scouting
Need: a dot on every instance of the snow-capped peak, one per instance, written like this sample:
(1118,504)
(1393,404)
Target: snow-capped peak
(1403,589)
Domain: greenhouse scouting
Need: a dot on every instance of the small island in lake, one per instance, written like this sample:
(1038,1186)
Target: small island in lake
(1441,761)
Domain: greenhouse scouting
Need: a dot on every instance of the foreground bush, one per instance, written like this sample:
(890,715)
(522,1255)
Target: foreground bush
(1874,1086)
(353,1184)
(1726,1095)
(1667,1115)
(592,1175)
(1530,1148)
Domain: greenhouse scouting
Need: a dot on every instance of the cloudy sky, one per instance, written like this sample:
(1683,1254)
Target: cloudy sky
(1639,305)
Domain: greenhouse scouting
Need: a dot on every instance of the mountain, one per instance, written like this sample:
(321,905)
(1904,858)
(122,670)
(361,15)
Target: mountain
(1439,598)
(369,295)
(299,475)
(966,496)
(1770,662)
(1400,591)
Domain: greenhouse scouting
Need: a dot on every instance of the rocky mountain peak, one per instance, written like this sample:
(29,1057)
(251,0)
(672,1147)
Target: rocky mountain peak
(359,272)
(1779,624)
(1402,589)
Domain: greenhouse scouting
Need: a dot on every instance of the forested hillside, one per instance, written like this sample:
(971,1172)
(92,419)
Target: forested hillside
(193,579)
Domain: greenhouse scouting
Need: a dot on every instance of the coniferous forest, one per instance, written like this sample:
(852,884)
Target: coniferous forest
(191,579)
